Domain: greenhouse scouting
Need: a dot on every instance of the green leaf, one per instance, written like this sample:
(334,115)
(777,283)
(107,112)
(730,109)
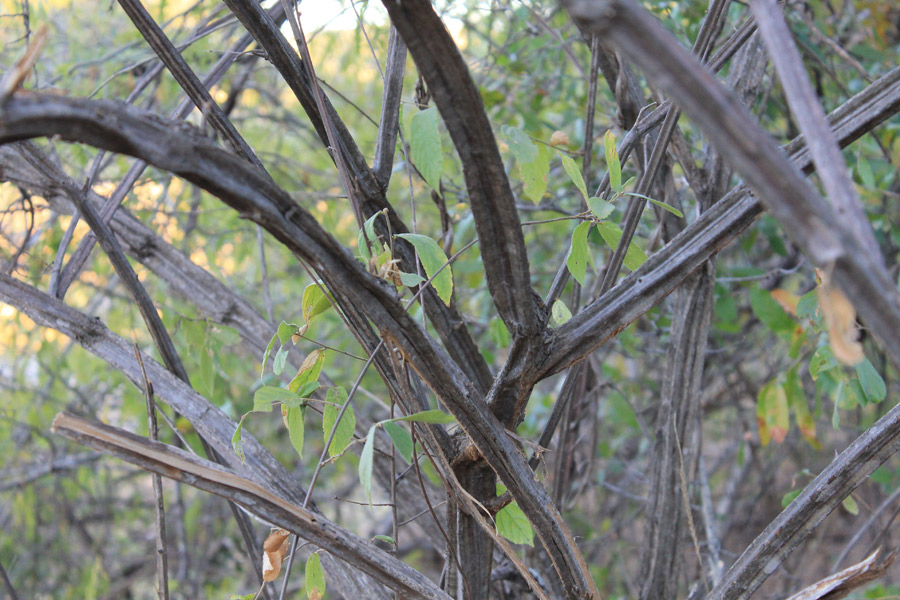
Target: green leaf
(534,175)
(560,313)
(808,305)
(286,331)
(294,420)
(772,414)
(600,207)
(871,382)
(194,332)
(428,416)
(237,441)
(336,398)
(302,393)
(612,161)
(280,360)
(227,336)
(574,174)
(433,258)
(789,497)
(726,310)
(309,371)
(858,392)
(207,373)
(498,332)
(513,525)
(663,205)
(369,229)
(577,259)
(265,358)
(793,387)
(425,146)
(384,538)
(612,235)
(402,440)
(864,169)
(411,279)
(266,395)
(315,577)
(315,301)
(836,415)
(366,458)
(850,505)
(821,361)
(520,144)
(770,312)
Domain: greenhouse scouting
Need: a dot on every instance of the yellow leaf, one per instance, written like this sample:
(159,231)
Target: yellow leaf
(787,300)
(840,319)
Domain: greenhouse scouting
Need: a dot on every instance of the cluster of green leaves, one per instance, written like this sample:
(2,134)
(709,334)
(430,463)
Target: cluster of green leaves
(599,214)
(799,322)
(295,396)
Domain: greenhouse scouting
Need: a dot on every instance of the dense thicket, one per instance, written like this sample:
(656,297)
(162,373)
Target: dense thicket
(479,300)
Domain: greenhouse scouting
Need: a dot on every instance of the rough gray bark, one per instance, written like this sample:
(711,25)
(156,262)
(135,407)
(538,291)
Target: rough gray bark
(677,434)
(254,497)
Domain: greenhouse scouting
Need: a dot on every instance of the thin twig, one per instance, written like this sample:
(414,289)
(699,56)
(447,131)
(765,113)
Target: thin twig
(162,555)
(10,590)
(15,76)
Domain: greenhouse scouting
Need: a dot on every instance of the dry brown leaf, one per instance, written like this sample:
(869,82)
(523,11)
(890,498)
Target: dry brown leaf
(559,138)
(787,300)
(840,319)
(275,548)
(301,331)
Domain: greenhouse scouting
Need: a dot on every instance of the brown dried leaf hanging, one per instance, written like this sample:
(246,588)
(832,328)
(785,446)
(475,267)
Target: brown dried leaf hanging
(840,319)
(275,548)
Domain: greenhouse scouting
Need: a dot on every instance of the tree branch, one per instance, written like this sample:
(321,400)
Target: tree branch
(447,321)
(810,116)
(388,127)
(205,475)
(208,420)
(809,221)
(179,149)
(712,231)
(490,196)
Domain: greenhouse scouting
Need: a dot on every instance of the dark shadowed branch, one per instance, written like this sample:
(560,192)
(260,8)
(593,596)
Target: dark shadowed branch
(490,195)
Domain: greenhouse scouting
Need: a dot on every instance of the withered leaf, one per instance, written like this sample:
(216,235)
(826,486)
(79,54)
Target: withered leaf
(840,319)
(275,548)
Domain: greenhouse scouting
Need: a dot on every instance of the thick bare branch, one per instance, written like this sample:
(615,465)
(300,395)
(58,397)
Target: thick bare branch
(810,117)
(490,196)
(680,406)
(388,127)
(205,475)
